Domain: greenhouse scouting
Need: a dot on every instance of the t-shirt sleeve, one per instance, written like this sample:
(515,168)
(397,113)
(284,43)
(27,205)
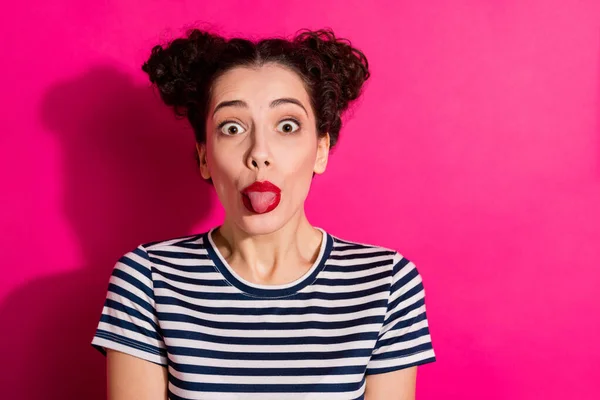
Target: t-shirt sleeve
(129,322)
(404,340)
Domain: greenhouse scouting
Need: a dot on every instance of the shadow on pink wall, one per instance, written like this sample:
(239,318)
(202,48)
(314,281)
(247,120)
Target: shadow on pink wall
(127,180)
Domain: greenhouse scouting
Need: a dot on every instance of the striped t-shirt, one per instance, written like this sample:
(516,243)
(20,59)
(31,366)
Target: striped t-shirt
(359,310)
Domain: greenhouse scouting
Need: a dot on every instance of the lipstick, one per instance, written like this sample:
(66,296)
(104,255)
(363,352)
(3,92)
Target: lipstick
(261,197)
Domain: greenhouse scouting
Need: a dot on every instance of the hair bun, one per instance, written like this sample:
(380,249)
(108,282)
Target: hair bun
(180,68)
(343,64)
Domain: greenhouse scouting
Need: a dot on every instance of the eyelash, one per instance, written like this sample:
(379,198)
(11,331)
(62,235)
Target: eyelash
(294,120)
(229,121)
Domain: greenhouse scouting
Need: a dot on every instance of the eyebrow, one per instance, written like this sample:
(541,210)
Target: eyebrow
(274,103)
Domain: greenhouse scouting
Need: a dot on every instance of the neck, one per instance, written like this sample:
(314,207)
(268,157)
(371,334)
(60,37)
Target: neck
(275,258)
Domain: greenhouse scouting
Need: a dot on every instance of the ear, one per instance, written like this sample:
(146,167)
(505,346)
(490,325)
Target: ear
(201,149)
(323,145)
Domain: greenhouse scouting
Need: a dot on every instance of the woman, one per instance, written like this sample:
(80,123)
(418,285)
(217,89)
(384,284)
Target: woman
(265,306)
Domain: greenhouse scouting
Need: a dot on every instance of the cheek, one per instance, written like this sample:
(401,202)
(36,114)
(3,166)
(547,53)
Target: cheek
(219,160)
(299,165)
(305,160)
(297,155)
(222,166)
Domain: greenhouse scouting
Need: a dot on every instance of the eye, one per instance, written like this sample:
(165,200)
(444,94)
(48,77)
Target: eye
(288,126)
(231,128)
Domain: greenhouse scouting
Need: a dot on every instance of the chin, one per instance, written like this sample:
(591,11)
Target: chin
(261,224)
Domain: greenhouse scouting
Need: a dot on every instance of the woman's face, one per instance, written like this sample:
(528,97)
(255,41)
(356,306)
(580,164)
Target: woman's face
(260,128)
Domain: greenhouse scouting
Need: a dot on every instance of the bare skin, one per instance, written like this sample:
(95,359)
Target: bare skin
(397,385)
(260,126)
(132,378)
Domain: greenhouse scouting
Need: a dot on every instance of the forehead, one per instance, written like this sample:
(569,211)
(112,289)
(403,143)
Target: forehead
(259,85)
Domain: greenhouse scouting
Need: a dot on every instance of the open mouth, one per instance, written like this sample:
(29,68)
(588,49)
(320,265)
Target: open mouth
(261,197)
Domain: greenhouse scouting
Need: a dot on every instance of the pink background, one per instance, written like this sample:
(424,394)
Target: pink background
(476,146)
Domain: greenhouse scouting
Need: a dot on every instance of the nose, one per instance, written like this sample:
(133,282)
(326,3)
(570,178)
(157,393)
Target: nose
(259,155)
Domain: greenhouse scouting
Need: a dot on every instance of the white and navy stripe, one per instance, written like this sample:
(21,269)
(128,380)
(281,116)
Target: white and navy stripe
(359,310)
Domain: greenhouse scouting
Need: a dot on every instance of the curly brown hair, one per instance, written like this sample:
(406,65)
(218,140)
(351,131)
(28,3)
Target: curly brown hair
(332,70)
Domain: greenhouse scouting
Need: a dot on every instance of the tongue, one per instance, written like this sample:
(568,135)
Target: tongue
(261,200)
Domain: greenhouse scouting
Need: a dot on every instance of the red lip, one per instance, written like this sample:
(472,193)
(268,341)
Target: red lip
(261,187)
(265,186)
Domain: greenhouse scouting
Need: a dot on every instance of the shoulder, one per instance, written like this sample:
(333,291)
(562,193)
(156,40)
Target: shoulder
(149,256)
(175,244)
(401,274)
(353,251)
